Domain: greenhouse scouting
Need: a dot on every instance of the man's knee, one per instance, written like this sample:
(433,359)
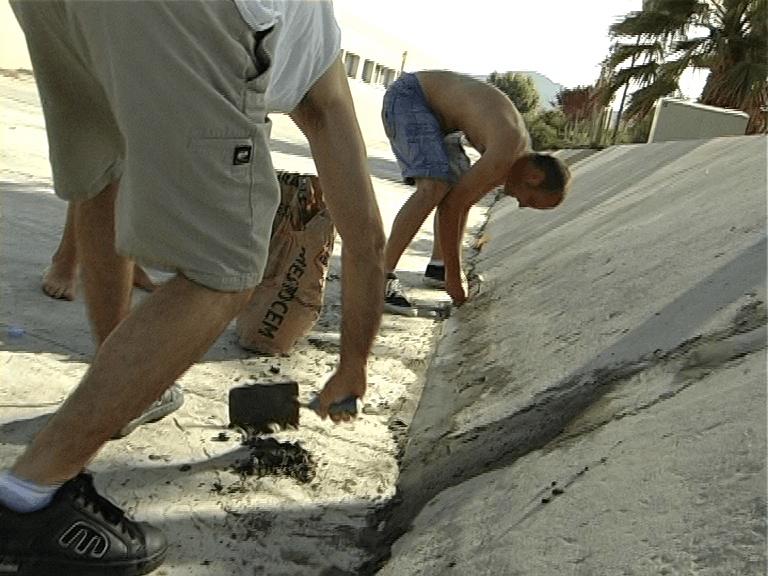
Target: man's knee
(244,296)
(431,191)
(231,301)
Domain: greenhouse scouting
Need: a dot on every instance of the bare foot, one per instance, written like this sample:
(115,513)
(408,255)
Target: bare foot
(59,281)
(142,280)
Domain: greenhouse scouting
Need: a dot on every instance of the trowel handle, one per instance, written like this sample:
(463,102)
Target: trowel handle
(347,405)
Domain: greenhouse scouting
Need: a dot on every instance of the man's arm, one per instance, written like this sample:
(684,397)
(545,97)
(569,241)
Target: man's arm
(487,173)
(327,117)
(450,222)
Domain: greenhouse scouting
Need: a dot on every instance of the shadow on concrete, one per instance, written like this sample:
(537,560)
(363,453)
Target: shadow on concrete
(22,431)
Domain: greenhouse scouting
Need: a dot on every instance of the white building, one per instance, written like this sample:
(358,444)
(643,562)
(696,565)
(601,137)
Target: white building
(376,57)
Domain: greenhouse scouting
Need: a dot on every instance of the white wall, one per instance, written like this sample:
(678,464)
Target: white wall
(681,120)
(371,42)
(13,48)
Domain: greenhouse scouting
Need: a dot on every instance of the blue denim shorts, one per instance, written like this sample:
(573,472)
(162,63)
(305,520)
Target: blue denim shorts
(417,137)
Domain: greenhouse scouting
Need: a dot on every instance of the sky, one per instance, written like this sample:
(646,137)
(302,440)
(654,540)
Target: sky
(565,40)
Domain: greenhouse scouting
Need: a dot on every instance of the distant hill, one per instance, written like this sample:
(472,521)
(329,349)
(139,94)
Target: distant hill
(547,89)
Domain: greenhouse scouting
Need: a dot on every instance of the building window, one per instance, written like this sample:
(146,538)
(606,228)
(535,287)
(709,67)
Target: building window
(367,71)
(387,76)
(351,62)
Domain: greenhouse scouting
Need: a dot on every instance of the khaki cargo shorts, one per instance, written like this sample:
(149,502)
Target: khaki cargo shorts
(169,99)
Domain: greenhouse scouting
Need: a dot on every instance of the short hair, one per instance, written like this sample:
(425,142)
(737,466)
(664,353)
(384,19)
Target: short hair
(557,176)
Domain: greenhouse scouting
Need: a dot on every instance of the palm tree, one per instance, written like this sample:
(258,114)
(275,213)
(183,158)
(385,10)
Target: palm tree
(727,37)
(739,65)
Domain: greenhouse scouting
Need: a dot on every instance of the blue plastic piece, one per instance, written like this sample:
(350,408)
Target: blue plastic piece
(16,331)
(347,405)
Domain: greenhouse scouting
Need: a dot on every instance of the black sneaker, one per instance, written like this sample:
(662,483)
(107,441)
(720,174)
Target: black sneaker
(394,298)
(435,275)
(79,533)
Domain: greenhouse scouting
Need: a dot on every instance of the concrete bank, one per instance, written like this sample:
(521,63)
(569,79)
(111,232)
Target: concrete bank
(600,407)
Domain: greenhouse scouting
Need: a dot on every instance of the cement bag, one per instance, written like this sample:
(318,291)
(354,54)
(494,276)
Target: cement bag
(288,301)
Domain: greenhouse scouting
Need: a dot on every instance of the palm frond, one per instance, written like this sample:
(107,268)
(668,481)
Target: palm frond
(644,99)
(641,74)
(624,52)
(691,45)
(736,86)
(649,24)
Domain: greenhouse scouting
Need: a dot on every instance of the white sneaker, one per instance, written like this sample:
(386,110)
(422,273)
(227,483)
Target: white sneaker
(171,400)
(395,300)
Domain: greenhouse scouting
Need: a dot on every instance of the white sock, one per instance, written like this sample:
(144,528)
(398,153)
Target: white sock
(25,495)
(433,262)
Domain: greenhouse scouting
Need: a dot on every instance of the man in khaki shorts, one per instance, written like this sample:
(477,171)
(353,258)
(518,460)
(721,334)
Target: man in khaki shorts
(167,101)
(422,114)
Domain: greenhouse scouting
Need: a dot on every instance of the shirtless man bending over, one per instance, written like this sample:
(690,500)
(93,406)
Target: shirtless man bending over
(422,114)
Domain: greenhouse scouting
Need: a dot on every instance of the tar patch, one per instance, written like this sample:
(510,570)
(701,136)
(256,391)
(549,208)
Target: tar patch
(268,456)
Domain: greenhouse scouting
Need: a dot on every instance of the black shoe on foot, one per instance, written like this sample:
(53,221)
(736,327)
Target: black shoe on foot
(435,276)
(79,533)
(394,298)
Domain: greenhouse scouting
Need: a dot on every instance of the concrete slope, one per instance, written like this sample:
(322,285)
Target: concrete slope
(600,407)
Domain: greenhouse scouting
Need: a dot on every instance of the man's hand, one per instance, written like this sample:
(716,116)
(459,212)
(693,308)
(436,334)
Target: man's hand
(456,287)
(342,384)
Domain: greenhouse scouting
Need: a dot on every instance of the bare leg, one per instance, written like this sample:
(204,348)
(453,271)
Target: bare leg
(411,216)
(107,275)
(437,250)
(156,343)
(463,224)
(60,277)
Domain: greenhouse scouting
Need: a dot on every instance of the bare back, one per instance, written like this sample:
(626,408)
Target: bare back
(485,115)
